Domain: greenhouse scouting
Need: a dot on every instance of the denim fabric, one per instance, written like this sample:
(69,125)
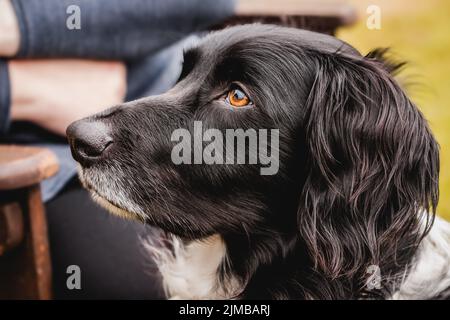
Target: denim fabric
(112,29)
(4,97)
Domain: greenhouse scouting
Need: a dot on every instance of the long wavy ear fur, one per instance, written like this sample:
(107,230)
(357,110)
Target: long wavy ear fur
(372,187)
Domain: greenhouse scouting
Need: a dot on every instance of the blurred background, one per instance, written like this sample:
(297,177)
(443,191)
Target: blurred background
(419,33)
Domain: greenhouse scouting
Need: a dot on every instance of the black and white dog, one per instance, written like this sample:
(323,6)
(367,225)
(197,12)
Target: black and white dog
(349,214)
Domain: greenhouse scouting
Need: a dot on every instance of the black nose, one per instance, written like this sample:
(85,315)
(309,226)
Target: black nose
(88,140)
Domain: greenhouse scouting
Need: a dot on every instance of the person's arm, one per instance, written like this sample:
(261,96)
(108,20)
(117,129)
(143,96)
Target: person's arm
(9,46)
(9,30)
(110,29)
(54,93)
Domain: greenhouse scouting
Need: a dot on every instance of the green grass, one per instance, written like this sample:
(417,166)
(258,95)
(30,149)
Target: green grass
(421,37)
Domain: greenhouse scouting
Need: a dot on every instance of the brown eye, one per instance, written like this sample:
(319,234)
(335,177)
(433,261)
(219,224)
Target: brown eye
(237,98)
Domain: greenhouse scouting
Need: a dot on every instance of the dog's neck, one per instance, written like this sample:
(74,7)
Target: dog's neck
(191,270)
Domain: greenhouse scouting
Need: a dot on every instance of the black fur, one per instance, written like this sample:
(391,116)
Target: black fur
(358,164)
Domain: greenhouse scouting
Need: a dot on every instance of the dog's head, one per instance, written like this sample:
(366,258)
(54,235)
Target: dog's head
(351,162)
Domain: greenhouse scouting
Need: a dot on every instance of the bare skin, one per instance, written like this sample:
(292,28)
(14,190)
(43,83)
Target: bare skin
(54,93)
(9,30)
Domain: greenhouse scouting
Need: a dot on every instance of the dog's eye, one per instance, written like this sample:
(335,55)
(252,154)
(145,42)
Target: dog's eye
(237,98)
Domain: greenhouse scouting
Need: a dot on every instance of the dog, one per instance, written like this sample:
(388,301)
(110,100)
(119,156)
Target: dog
(350,212)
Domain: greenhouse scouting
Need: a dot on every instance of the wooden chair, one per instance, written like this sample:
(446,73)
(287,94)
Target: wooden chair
(25,270)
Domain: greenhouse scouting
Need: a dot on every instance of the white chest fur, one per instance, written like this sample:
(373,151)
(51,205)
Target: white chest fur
(430,273)
(190,271)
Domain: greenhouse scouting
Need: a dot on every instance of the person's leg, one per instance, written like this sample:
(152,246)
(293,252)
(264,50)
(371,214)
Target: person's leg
(107,249)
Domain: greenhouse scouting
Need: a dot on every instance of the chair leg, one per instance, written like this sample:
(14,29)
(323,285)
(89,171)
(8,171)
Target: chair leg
(25,271)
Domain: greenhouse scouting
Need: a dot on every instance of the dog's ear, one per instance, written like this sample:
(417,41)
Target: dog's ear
(372,168)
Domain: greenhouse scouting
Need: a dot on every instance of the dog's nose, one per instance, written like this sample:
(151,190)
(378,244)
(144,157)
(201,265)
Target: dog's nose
(88,141)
